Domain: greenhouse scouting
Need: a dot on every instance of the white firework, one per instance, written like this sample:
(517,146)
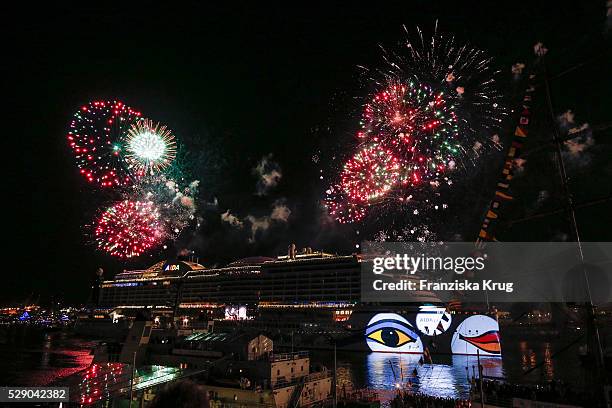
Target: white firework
(150,147)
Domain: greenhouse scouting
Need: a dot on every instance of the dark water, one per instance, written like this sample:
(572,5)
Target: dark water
(32,357)
(449,376)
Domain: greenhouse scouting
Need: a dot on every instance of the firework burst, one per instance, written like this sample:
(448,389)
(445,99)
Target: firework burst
(115,147)
(465,73)
(129,228)
(149,147)
(370,174)
(416,124)
(94,136)
(429,116)
(153,209)
(409,141)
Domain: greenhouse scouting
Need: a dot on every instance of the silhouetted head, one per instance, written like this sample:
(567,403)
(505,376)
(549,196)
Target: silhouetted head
(180,394)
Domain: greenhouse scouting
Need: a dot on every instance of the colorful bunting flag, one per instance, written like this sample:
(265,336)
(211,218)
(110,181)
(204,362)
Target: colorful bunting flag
(502,193)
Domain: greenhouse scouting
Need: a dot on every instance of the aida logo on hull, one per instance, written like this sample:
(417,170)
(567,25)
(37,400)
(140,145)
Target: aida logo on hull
(433,320)
(172,267)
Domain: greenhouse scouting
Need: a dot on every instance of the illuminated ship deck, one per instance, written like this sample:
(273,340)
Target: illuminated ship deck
(308,294)
(314,280)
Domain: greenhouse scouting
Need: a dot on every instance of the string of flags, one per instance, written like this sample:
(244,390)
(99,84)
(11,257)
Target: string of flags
(502,192)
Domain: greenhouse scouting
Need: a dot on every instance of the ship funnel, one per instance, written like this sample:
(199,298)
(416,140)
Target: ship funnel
(291,251)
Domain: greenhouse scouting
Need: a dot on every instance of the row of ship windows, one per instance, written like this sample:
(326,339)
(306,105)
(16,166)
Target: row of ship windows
(294,282)
(237,295)
(337,296)
(238,284)
(230,291)
(285,277)
(236,288)
(232,298)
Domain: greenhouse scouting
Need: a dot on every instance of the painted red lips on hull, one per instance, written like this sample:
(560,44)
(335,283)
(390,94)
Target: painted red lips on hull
(488,341)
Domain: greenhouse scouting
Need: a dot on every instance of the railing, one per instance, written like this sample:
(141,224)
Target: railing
(288,356)
(318,376)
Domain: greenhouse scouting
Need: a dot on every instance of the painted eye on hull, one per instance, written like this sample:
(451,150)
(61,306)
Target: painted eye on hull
(392,333)
(390,337)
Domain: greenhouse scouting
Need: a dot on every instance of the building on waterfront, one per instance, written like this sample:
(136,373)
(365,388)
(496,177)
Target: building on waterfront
(245,373)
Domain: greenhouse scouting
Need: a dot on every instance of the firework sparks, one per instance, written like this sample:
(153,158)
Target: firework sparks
(431,115)
(370,174)
(153,209)
(175,202)
(411,140)
(465,74)
(340,208)
(94,135)
(150,147)
(129,228)
(415,123)
(115,147)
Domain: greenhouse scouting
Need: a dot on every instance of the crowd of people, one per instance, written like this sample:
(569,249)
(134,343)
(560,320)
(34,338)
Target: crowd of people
(556,391)
(186,394)
(418,400)
(498,393)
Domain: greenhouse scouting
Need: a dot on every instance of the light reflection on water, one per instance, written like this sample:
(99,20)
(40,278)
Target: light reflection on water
(530,359)
(32,357)
(524,361)
(386,371)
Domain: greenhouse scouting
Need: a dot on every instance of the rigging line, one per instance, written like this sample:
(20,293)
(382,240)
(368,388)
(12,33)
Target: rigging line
(560,210)
(598,128)
(570,203)
(575,67)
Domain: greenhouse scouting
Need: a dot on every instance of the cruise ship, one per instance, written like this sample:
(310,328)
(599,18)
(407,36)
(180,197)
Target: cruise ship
(315,279)
(312,296)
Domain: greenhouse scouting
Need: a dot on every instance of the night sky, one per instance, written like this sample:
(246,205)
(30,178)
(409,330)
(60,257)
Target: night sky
(237,84)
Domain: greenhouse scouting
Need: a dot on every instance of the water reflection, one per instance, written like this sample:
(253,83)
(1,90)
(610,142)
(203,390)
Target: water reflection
(46,351)
(528,357)
(549,372)
(448,377)
(32,357)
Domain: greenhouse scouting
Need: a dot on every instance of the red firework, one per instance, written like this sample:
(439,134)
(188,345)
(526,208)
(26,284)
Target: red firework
(129,228)
(370,174)
(94,135)
(418,124)
(341,209)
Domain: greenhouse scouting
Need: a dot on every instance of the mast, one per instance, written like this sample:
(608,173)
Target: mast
(592,329)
